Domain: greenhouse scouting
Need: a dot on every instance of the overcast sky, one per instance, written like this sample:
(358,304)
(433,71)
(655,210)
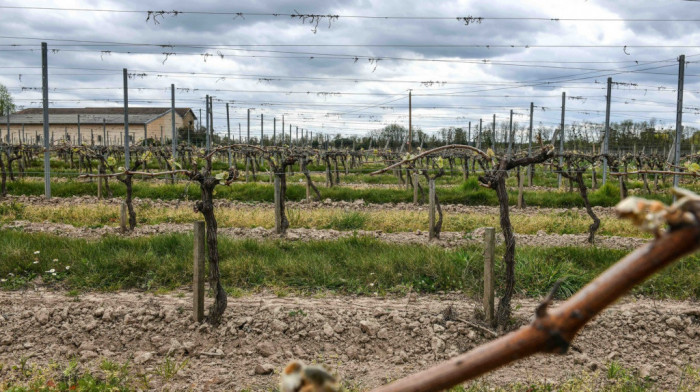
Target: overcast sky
(352,74)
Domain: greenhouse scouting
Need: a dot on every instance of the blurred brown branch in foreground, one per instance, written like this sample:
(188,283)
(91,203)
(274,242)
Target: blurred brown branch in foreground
(552,331)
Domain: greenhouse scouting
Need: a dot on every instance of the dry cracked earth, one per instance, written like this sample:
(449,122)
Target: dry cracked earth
(365,340)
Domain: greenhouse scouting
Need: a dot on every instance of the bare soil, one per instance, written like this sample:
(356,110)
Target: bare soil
(365,340)
(447,239)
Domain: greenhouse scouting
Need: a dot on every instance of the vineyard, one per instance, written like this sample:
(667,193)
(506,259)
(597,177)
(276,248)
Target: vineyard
(367,196)
(286,226)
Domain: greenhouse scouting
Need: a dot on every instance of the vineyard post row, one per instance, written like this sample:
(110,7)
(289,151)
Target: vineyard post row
(209,129)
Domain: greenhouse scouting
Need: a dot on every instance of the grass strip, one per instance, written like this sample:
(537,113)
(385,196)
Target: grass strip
(467,193)
(354,265)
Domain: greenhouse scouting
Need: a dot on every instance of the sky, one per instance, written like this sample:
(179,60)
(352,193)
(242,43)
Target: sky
(347,67)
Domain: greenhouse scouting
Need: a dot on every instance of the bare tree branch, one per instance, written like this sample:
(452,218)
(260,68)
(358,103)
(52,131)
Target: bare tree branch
(553,331)
(434,150)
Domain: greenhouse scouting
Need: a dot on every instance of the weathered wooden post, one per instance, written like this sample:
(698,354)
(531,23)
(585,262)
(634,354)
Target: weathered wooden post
(278,211)
(489,247)
(198,272)
(521,180)
(123,218)
(415,188)
(247,168)
(431,211)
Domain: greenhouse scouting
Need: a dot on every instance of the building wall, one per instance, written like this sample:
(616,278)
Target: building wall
(70,132)
(113,131)
(164,123)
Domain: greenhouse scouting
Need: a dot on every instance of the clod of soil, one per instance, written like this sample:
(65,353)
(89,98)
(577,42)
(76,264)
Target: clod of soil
(364,340)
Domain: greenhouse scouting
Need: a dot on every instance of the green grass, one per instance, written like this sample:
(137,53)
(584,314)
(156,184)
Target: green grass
(352,220)
(107,376)
(358,265)
(329,217)
(616,378)
(111,376)
(467,193)
(25,377)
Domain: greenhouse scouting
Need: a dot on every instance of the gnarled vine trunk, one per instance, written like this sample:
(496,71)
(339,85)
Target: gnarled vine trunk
(280,210)
(305,169)
(496,180)
(128,199)
(584,195)
(437,228)
(207,183)
(504,309)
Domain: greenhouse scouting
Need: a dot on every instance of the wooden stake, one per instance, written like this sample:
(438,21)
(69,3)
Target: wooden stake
(521,181)
(198,272)
(123,218)
(308,187)
(431,210)
(415,188)
(278,210)
(489,247)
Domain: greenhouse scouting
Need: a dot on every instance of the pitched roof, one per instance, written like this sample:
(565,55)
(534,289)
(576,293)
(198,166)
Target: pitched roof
(110,115)
(154,111)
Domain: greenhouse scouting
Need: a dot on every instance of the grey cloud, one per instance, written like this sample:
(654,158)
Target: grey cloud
(230,30)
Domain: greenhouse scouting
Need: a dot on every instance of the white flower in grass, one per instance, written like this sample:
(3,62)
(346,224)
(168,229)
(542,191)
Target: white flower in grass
(10,274)
(55,260)
(36,262)
(51,271)
(3,280)
(36,252)
(67,267)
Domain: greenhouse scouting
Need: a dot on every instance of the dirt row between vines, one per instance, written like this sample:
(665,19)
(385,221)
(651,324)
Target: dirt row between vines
(447,239)
(357,205)
(365,340)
